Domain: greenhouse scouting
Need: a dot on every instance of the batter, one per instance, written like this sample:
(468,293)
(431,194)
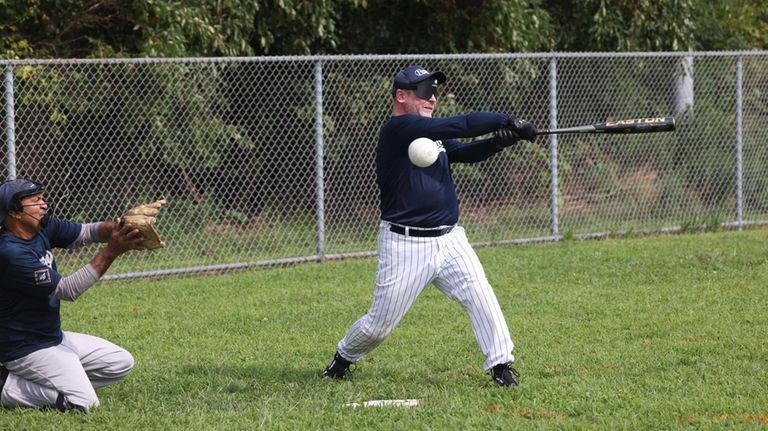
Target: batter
(419,241)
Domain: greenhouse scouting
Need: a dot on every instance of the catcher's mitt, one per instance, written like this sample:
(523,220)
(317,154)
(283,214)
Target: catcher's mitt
(143,218)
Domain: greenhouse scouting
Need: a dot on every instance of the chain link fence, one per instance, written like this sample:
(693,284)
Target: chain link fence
(271,160)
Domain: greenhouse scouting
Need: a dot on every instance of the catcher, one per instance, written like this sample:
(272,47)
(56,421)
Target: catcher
(41,365)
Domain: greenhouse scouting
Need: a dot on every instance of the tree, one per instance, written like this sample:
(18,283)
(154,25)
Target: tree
(731,24)
(439,26)
(623,25)
(300,27)
(167,28)
(659,25)
(209,28)
(65,28)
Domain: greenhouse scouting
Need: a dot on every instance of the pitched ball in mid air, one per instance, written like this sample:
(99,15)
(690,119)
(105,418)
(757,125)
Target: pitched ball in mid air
(423,152)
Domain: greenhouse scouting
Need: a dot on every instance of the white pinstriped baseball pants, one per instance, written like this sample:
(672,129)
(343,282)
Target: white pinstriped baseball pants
(406,266)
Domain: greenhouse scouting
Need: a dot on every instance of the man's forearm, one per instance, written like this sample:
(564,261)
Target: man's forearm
(103,259)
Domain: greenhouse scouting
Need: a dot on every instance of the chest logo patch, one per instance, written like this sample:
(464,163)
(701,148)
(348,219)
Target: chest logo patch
(43,276)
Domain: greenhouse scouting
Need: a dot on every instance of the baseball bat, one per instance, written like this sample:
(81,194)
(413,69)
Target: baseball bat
(632,125)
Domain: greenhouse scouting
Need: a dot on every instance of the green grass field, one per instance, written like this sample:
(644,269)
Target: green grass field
(664,332)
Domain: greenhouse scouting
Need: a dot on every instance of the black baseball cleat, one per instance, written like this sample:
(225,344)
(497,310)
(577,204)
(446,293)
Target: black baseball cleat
(338,367)
(505,375)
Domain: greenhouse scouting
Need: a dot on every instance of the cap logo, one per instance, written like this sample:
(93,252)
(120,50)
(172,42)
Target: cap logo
(420,72)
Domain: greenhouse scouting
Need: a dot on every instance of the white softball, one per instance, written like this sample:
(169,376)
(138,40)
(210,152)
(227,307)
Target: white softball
(423,152)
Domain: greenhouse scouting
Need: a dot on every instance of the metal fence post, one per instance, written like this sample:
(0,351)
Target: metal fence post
(739,144)
(554,189)
(10,121)
(319,156)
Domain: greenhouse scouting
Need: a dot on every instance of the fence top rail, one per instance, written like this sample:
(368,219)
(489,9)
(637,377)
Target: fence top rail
(377,57)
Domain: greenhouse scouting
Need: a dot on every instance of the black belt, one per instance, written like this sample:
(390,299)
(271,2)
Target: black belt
(430,233)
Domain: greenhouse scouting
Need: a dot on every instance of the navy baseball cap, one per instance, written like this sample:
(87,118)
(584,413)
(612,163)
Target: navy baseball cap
(13,191)
(418,79)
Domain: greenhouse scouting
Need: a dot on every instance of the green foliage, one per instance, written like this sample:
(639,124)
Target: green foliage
(185,124)
(169,28)
(666,25)
(13,12)
(295,27)
(755,152)
(622,25)
(731,24)
(645,25)
(66,28)
(70,28)
(173,115)
(714,224)
(588,166)
(436,26)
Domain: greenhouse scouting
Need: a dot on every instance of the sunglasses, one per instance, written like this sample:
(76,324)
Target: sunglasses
(423,90)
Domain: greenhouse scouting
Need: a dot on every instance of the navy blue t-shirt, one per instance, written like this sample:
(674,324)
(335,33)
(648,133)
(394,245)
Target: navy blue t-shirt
(426,197)
(29,317)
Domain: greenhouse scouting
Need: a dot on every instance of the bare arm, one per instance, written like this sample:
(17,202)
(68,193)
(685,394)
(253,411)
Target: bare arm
(120,238)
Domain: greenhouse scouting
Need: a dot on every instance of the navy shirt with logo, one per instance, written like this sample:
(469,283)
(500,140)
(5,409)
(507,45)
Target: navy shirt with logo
(426,197)
(29,317)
